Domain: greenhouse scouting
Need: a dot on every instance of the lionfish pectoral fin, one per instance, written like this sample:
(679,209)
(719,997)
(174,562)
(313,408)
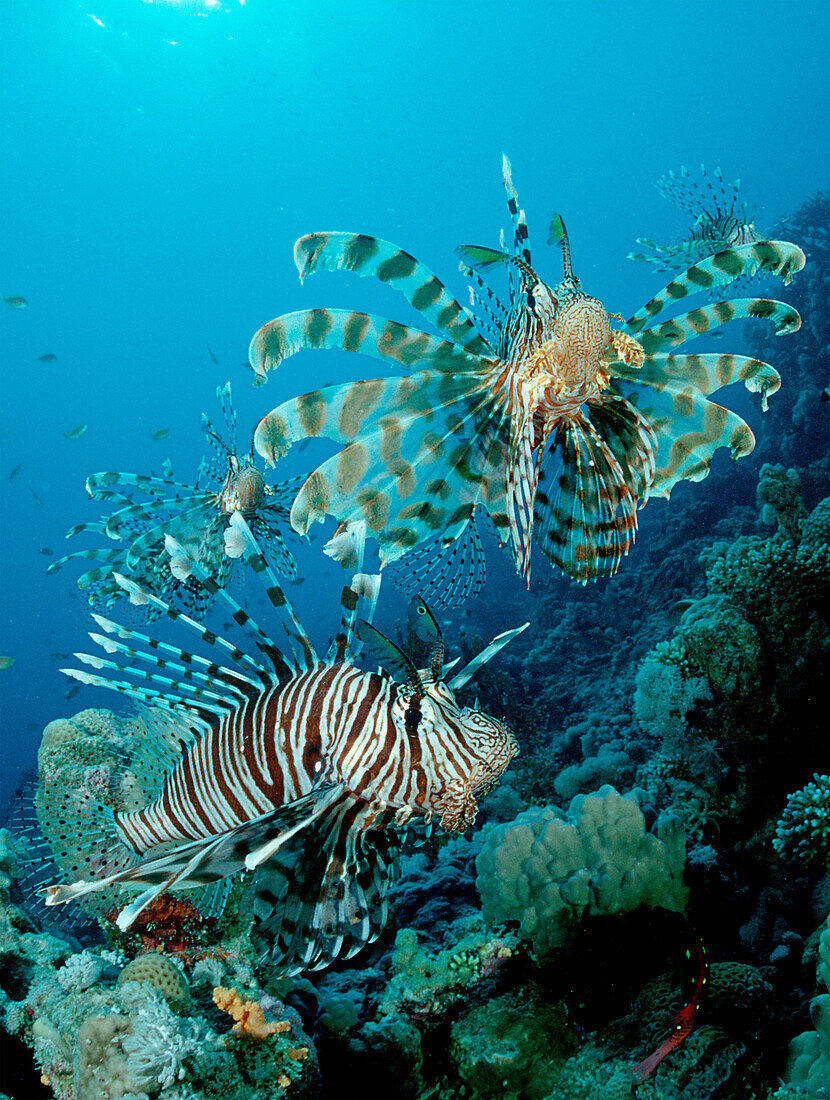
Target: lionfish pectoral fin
(446,574)
(323,895)
(193,864)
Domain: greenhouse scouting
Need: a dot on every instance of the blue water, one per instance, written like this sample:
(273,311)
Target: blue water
(159,160)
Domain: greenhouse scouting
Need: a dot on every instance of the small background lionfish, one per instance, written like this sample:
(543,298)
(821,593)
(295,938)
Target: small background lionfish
(532,409)
(301,770)
(719,219)
(196,516)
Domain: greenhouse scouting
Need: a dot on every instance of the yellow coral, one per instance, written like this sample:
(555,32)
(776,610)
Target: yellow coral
(250,1019)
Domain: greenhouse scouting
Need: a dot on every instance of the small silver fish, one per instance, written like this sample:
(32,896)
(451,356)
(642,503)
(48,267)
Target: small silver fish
(6,662)
(49,357)
(15,471)
(76,433)
(16,301)
(161,433)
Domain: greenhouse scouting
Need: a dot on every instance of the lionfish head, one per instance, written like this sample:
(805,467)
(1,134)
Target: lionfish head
(244,488)
(479,750)
(493,745)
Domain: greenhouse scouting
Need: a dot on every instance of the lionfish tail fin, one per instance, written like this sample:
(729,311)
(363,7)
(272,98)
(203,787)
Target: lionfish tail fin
(82,832)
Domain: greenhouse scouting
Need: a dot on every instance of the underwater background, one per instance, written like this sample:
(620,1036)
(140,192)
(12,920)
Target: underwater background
(159,161)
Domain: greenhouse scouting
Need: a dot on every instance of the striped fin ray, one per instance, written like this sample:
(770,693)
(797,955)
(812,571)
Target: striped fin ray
(710,317)
(139,595)
(372,256)
(127,520)
(771,257)
(346,645)
(223,394)
(98,484)
(182,690)
(203,515)
(521,245)
(325,896)
(585,512)
(689,428)
(297,637)
(106,557)
(471,668)
(707,372)
(234,681)
(445,574)
(94,527)
(488,308)
(522,477)
(412,477)
(269,537)
(360,333)
(344,412)
(201,708)
(688,194)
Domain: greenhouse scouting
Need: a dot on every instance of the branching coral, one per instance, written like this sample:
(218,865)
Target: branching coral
(249,1016)
(803,831)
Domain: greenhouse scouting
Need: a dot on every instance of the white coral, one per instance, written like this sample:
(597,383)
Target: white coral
(79,972)
(160,1044)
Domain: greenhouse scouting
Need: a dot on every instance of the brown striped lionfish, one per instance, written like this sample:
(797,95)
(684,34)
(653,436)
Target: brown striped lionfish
(197,517)
(535,410)
(301,770)
(719,222)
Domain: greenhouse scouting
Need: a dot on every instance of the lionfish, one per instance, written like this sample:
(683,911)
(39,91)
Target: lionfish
(535,409)
(720,221)
(197,517)
(302,770)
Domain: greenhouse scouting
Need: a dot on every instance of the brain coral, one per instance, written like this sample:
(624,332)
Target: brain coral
(161,973)
(547,869)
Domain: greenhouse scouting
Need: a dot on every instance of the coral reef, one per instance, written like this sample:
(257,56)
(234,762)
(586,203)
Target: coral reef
(532,956)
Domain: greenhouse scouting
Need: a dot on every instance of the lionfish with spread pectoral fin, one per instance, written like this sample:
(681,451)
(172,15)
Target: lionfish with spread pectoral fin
(537,412)
(302,770)
(196,516)
(720,220)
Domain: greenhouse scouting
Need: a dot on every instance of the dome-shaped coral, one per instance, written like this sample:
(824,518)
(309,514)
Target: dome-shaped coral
(546,869)
(161,973)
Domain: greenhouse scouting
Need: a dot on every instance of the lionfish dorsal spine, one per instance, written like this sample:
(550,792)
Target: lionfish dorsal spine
(469,670)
